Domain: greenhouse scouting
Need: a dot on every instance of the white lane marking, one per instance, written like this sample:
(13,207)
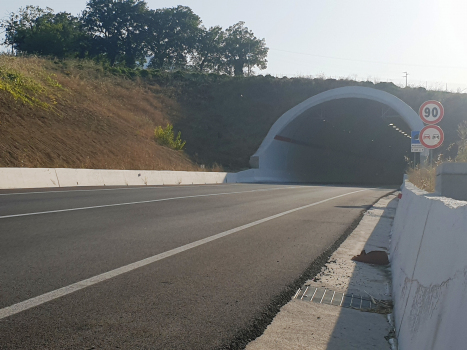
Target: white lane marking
(316,289)
(117,189)
(142,202)
(322,298)
(44,298)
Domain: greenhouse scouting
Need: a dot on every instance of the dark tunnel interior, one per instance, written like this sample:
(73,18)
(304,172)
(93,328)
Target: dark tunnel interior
(348,141)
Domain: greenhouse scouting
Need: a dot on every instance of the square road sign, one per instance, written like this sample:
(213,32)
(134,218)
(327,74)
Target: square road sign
(415,138)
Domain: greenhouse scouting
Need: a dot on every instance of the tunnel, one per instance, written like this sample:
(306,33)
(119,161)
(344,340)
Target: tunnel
(349,135)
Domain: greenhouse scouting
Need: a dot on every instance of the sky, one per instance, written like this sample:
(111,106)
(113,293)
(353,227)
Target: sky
(372,40)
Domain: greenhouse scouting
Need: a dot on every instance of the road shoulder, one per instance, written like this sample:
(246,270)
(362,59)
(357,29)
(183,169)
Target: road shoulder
(316,325)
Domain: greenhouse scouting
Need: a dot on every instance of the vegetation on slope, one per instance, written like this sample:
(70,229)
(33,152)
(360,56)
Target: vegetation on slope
(75,114)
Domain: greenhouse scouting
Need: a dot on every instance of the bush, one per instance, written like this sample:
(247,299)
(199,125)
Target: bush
(165,137)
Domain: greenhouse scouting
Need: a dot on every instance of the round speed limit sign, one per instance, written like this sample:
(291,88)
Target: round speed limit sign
(431,112)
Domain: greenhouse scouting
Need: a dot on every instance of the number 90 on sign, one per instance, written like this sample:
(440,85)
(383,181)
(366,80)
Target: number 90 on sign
(431,112)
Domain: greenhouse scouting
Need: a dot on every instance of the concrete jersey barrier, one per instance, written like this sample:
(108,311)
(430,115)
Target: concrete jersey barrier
(429,267)
(11,178)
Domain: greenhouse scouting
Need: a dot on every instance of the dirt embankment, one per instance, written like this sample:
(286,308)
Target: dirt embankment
(70,115)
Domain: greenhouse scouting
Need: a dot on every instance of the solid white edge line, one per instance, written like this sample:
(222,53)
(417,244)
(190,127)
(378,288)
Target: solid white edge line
(142,202)
(126,188)
(44,298)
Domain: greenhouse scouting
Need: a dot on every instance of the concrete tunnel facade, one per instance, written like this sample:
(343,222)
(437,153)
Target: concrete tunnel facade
(281,156)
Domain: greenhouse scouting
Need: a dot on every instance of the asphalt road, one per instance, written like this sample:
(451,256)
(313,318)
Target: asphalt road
(185,267)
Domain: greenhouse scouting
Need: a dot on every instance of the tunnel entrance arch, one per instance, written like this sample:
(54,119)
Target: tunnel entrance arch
(270,161)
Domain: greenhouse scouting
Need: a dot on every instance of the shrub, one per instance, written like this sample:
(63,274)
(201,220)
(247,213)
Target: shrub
(165,137)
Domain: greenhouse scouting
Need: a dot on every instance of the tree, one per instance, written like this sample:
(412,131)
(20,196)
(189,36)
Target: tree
(171,36)
(243,49)
(118,29)
(18,24)
(37,31)
(208,53)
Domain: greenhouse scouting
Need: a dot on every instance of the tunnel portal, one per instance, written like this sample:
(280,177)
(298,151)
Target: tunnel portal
(329,138)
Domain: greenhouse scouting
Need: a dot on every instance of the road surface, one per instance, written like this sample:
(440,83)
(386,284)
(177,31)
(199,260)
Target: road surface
(183,267)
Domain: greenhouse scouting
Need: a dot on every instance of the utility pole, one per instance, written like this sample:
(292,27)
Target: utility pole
(405,76)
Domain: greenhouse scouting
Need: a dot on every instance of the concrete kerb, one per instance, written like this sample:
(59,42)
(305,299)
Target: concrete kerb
(133,178)
(451,180)
(113,177)
(429,267)
(11,178)
(28,178)
(79,177)
(172,178)
(151,178)
(200,178)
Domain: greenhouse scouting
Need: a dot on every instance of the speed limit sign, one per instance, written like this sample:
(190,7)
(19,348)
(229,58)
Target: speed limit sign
(431,112)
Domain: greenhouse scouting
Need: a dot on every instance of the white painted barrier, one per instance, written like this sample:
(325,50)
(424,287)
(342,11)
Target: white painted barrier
(451,180)
(28,178)
(429,267)
(79,177)
(11,178)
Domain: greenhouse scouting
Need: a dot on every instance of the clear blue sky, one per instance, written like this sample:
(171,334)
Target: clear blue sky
(364,39)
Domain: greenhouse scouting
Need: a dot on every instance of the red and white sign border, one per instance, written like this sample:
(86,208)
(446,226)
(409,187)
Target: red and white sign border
(441,139)
(441,112)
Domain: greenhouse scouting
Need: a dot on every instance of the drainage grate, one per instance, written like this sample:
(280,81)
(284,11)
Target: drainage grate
(330,297)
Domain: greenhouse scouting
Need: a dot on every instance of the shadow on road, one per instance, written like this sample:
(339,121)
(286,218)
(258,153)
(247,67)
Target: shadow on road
(354,328)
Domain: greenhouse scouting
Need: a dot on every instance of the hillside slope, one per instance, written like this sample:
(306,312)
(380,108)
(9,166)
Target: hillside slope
(75,115)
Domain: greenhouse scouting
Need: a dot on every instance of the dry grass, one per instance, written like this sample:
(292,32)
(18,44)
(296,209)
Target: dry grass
(93,119)
(423,177)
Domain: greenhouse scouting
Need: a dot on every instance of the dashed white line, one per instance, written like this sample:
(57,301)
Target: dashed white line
(44,298)
(114,189)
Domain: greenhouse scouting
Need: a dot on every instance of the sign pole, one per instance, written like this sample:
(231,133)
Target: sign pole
(431,136)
